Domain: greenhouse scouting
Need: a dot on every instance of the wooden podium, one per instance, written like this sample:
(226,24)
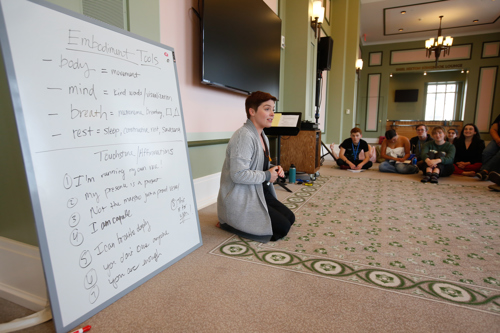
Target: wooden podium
(302,150)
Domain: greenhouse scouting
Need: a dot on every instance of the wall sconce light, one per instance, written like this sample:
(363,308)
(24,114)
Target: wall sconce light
(317,17)
(359,66)
(390,75)
(425,73)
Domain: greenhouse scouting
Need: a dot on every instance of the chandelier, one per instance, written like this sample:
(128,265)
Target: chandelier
(439,44)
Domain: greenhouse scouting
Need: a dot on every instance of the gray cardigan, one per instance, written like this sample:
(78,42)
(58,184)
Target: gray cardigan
(241,206)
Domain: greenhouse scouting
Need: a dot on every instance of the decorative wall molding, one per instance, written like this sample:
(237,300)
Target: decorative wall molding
(372,102)
(485,97)
(375,59)
(21,277)
(410,56)
(206,190)
(491,49)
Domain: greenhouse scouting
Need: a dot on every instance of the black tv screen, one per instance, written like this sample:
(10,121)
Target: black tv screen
(241,44)
(406,95)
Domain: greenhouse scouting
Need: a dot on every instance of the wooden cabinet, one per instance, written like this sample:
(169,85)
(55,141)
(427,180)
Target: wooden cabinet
(302,150)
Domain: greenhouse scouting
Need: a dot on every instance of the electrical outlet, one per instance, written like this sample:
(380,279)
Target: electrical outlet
(283,42)
(348,111)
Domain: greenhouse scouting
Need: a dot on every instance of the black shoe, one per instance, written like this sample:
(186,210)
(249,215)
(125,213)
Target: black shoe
(494,177)
(482,175)
(434,178)
(425,179)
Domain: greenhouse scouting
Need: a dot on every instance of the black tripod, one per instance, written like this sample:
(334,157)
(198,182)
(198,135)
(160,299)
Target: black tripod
(319,80)
(278,131)
(281,181)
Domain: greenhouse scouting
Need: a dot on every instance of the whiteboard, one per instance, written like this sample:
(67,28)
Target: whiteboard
(102,132)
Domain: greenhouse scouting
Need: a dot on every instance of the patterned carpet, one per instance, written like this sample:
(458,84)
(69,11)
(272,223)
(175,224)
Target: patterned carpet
(440,243)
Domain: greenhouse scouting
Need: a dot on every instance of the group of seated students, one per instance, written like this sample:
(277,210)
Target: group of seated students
(440,155)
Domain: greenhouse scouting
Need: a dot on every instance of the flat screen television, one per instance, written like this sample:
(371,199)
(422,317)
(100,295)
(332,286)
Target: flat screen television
(240,45)
(406,95)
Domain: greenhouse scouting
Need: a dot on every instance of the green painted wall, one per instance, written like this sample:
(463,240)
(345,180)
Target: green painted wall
(16,217)
(296,75)
(207,159)
(386,92)
(342,82)
(416,110)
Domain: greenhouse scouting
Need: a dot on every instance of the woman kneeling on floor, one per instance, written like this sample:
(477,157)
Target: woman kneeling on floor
(396,151)
(247,204)
(438,156)
(469,150)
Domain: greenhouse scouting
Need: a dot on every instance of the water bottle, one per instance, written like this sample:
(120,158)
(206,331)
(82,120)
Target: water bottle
(291,174)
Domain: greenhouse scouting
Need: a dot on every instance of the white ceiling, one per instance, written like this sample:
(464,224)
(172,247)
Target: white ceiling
(382,19)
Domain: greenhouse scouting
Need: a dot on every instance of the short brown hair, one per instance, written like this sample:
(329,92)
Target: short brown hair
(420,125)
(256,99)
(356,130)
(437,128)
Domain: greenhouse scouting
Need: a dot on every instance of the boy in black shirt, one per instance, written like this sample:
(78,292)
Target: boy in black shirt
(349,152)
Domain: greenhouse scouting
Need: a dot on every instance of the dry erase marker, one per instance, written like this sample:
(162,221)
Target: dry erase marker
(84,329)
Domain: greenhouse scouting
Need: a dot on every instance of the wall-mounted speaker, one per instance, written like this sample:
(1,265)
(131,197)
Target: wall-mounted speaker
(325,48)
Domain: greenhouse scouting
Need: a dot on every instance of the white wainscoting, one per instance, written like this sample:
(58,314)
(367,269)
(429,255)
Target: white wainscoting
(21,277)
(21,273)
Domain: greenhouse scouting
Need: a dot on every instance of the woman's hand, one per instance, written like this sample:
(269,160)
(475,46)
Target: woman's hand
(275,173)
(281,172)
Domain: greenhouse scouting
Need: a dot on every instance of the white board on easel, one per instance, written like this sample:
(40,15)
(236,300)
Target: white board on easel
(101,126)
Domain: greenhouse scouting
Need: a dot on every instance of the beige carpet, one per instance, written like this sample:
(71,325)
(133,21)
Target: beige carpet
(213,293)
(440,243)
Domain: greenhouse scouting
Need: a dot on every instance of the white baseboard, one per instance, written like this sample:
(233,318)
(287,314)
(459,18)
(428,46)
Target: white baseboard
(371,140)
(206,190)
(21,275)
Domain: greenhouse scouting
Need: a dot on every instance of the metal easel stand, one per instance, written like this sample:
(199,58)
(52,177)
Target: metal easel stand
(281,181)
(319,79)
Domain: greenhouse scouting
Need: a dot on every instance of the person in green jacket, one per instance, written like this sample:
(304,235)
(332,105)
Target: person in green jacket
(438,156)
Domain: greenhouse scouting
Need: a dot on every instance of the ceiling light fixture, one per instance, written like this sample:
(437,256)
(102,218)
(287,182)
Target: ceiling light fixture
(403,12)
(439,44)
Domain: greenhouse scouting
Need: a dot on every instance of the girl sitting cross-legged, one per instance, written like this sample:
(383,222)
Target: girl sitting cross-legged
(469,149)
(438,156)
(396,151)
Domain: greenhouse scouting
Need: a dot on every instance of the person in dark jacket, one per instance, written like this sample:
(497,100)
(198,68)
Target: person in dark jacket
(491,154)
(469,149)
(417,142)
(437,157)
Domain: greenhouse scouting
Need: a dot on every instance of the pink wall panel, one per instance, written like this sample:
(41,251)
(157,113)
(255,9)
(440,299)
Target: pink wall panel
(419,55)
(209,113)
(485,93)
(372,102)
